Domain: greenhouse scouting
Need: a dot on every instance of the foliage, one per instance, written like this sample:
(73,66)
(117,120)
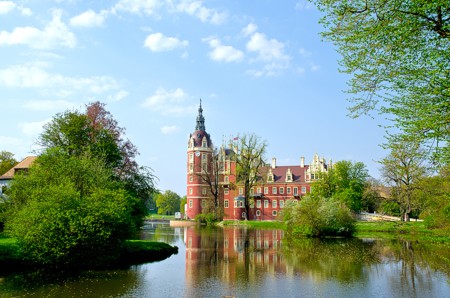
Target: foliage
(371,197)
(255,224)
(168,202)
(7,161)
(345,181)
(398,53)
(96,133)
(318,217)
(183,202)
(68,212)
(249,157)
(436,193)
(402,170)
(389,208)
(206,218)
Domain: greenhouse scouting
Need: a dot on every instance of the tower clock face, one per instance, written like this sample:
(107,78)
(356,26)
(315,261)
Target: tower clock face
(197,153)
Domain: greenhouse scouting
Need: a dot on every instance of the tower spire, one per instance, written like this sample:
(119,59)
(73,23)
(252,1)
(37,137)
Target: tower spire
(200,119)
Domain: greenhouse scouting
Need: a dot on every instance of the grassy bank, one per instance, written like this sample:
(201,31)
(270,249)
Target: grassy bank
(365,229)
(389,229)
(254,224)
(134,252)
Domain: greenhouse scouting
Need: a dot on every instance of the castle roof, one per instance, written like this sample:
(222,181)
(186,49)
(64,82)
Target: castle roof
(23,165)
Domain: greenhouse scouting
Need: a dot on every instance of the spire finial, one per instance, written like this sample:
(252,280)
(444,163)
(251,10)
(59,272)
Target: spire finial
(200,119)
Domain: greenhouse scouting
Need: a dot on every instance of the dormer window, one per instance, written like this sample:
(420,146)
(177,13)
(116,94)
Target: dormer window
(204,143)
(270,176)
(289,176)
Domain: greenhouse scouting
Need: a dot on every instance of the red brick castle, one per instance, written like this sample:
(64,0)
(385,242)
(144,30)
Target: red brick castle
(278,183)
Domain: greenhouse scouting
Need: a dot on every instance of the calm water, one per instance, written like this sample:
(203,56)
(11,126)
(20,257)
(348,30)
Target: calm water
(241,262)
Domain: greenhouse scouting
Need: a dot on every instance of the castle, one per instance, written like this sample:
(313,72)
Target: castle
(211,171)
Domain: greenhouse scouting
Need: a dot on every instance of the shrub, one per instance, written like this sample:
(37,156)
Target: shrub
(318,217)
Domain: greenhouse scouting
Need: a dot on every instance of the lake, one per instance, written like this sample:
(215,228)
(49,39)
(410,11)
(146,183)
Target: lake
(241,262)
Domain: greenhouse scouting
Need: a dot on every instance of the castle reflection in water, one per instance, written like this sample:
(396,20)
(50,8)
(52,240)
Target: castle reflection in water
(232,253)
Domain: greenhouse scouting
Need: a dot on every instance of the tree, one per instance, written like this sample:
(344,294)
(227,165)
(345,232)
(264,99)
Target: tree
(7,161)
(68,212)
(168,202)
(249,157)
(345,181)
(402,170)
(211,173)
(95,132)
(398,53)
(313,217)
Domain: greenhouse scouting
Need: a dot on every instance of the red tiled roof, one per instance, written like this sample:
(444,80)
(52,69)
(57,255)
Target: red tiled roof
(24,164)
(279,173)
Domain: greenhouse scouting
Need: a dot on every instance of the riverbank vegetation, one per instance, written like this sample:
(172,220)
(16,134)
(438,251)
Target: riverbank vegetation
(133,252)
(83,197)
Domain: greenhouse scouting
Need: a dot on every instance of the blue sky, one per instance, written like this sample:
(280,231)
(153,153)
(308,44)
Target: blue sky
(259,66)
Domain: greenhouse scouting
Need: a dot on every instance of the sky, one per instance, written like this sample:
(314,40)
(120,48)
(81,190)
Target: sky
(259,67)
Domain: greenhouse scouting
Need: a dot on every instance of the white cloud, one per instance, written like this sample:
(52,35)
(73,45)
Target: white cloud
(138,6)
(118,96)
(270,52)
(31,76)
(88,19)
(169,129)
(8,6)
(32,128)
(196,9)
(158,42)
(53,35)
(304,53)
(314,67)
(303,5)
(250,29)
(48,105)
(169,102)
(223,53)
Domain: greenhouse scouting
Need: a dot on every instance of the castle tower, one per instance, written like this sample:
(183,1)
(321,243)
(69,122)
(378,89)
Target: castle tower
(199,156)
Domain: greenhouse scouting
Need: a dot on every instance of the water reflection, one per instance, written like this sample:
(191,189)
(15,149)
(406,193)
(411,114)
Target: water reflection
(240,262)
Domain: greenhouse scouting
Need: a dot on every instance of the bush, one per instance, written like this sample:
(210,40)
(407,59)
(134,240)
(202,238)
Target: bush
(389,208)
(318,217)
(68,212)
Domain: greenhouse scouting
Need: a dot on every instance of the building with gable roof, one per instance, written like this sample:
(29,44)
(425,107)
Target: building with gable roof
(21,167)
(277,184)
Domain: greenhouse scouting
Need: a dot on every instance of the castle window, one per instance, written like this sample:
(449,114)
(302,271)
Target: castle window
(204,144)
(191,168)
(266,204)
(191,178)
(288,176)
(274,212)
(274,204)
(288,190)
(281,204)
(203,203)
(190,191)
(303,189)
(227,179)
(295,191)
(281,190)
(225,191)
(258,213)
(243,214)
(225,204)
(241,190)
(190,203)
(258,190)
(258,203)
(266,190)
(191,157)
(204,191)
(274,190)
(204,157)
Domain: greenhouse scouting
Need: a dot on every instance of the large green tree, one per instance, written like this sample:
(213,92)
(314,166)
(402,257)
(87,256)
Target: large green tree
(7,161)
(402,170)
(249,157)
(345,181)
(69,212)
(398,54)
(168,202)
(97,133)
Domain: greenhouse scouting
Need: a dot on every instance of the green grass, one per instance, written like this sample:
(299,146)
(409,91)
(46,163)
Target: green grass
(254,224)
(159,217)
(387,229)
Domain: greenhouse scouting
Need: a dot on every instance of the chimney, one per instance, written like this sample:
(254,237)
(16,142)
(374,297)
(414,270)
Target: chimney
(302,162)
(274,162)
